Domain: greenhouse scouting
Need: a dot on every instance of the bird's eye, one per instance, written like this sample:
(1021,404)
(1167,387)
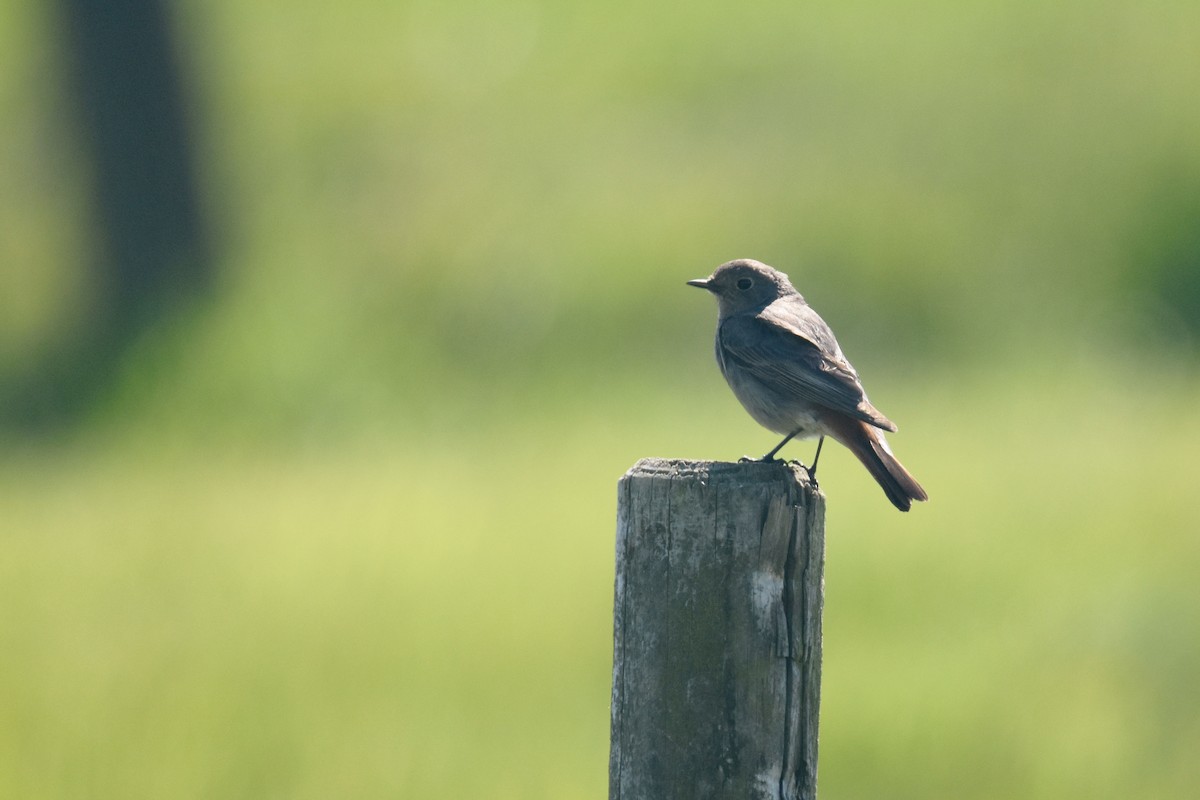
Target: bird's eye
(744,283)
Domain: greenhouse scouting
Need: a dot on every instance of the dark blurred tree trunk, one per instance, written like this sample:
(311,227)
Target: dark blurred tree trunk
(151,252)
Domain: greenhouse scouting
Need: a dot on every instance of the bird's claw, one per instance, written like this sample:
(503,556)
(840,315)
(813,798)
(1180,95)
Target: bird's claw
(812,474)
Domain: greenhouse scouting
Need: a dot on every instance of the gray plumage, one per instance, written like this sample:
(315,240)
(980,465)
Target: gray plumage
(786,368)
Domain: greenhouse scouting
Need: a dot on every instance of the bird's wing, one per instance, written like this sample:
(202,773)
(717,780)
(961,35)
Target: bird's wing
(794,349)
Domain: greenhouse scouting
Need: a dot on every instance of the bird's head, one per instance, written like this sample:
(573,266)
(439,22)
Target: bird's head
(745,285)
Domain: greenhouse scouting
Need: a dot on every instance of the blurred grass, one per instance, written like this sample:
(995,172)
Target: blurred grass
(346,530)
(432,616)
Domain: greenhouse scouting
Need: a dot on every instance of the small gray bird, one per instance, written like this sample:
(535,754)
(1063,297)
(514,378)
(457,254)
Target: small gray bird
(784,365)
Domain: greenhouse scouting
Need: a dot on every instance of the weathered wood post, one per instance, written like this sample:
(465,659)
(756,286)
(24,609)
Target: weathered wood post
(716,632)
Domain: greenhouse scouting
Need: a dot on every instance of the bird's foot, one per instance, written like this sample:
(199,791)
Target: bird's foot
(812,477)
(810,471)
(767,459)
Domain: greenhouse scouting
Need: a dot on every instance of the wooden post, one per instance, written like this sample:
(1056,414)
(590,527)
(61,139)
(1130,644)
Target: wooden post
(716,632)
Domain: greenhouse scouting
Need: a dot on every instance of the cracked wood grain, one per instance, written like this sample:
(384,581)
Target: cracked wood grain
(716,632)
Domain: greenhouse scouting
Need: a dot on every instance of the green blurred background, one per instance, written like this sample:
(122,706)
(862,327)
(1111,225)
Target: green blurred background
(330,511)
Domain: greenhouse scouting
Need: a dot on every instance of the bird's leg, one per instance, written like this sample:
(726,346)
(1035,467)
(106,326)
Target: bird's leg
(812,471)
(771,455)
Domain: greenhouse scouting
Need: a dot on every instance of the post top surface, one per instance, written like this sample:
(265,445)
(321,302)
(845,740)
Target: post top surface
(741,471)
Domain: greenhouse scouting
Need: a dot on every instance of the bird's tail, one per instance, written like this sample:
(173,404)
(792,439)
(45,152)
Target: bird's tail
(871,448)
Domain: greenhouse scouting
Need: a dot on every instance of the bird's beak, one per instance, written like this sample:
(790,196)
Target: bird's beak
(701,282)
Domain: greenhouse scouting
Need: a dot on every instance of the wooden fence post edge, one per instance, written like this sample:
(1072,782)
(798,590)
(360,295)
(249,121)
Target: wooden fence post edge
(718,599)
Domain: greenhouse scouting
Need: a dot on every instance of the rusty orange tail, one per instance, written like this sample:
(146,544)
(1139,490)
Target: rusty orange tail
(871,448)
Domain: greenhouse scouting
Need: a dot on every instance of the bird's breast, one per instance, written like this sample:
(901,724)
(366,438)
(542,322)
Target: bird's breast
(775,410)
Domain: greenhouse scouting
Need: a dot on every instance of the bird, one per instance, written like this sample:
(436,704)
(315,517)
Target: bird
(786,368)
